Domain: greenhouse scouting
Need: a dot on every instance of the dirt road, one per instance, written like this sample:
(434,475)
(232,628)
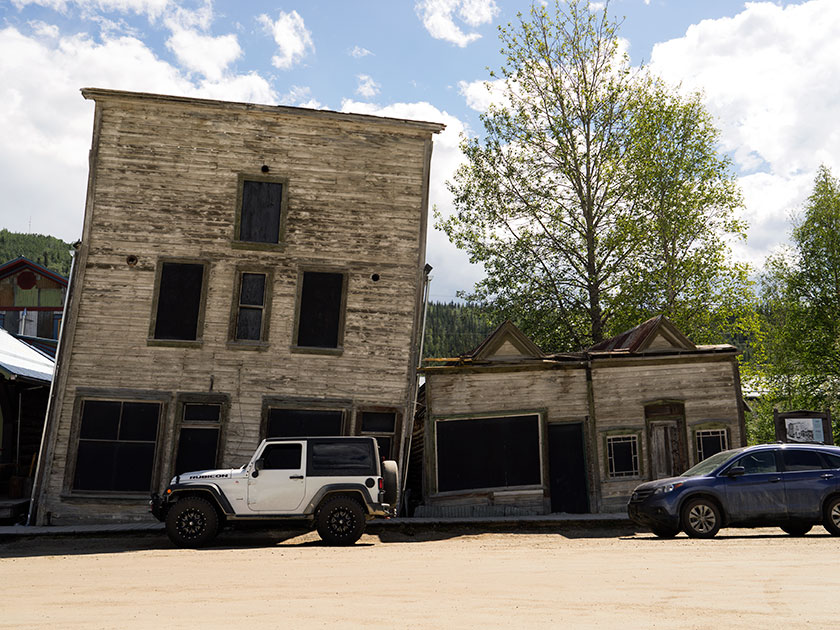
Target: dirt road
(742,579)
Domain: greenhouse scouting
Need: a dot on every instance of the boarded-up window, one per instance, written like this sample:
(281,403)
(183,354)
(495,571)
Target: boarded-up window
(304,422)
(198,439)
(260,217)
(179,301)
(488,453)
(320,312)
(117,442)
(250,311)
(623,455)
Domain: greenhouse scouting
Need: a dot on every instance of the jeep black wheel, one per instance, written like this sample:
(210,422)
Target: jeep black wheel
(192,522)
(340,521)
(701,518)
(831,516)
(796,529)
(390,479)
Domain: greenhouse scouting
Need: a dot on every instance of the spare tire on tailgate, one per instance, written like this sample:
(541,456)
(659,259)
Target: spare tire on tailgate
(390,478)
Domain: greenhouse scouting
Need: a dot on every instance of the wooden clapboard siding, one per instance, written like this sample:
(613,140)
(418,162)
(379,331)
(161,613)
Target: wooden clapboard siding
(164,182)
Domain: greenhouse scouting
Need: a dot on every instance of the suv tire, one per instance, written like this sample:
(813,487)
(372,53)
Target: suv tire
(192,522)
(340,521)
(831,516)
(701,518)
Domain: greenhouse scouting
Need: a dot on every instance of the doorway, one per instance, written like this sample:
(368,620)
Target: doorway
(567,468)
(666,438)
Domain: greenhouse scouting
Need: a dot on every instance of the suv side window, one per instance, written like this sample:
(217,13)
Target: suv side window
(832,461)
(282,457)
(798,460)
(757,463)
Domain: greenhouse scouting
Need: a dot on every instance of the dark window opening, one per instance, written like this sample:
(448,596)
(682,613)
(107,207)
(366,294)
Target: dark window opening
(623,455)
(710,442)
(198,440)
(381,425)
(488,453)
(282,457)
(251,307)
(116,450)
(304,422)
(179,301)
(260,217)
(320,310)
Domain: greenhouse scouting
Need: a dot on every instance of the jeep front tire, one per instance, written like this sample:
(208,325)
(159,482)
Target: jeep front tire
(192,522)
(340,521)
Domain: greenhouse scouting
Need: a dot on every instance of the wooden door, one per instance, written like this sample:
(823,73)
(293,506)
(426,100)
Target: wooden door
(567,469)
(667,448)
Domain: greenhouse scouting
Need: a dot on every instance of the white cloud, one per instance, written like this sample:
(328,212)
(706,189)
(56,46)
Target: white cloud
(204,53)
(300,96)
(367,87)
(771,76)
(453,270)
(45,132)
(439,18)
(290,34)
(152,8)
(481,94)
(358,52)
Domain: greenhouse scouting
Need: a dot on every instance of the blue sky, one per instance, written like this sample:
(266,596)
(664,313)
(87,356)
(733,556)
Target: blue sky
(770,72)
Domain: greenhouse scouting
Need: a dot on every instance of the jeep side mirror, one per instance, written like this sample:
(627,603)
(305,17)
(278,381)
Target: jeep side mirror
(258,466)
(735,471)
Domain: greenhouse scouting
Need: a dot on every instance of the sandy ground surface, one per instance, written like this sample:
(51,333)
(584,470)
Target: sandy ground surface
(572,579)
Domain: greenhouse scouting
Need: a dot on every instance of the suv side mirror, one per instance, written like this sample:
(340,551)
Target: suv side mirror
(735,471)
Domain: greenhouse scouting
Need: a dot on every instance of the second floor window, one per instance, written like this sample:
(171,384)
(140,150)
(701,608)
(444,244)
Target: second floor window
(260,214)
(179,301)
(251,308)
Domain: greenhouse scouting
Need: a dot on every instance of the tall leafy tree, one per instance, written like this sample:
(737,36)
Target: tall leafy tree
(584,195)
(800,300)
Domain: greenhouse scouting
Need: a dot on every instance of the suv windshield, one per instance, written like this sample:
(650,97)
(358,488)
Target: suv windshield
(710,463)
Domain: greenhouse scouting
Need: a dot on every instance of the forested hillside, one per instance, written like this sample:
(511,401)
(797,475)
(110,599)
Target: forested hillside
(453,329)
(49,251)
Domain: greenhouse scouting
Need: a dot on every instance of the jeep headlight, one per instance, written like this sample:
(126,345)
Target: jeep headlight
(668,488)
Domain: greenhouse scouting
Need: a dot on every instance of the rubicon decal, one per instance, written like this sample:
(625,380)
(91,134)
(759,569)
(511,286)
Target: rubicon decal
(216,476)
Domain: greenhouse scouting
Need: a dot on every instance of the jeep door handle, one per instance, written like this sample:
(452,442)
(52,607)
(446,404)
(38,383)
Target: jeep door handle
(295,476)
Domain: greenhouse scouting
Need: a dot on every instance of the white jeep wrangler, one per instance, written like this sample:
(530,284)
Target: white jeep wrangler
(333,483)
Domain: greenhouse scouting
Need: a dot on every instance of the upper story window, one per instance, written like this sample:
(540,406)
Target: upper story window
(261,211)
(178,311)
(320,311)
(251,308)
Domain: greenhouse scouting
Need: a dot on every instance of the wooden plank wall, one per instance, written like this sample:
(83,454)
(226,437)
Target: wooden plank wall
(165,184)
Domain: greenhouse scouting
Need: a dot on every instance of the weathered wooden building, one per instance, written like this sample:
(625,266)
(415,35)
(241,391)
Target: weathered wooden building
(511,430)
(245,271)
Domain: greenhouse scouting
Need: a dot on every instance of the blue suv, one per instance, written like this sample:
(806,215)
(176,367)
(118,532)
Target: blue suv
(791,486)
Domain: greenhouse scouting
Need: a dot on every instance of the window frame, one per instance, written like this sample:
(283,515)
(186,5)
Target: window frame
(268,291)
(342,317)
(151,340)
(375,434)
(704,427)
(199,398)
(237,242)
(636,438)
(122,396)
(345,406)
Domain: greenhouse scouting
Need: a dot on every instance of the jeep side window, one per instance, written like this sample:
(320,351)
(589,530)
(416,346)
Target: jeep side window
(282,457)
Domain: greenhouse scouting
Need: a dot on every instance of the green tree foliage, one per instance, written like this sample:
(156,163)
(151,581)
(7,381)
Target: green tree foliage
(800,302)
(453,329)
(595,198)
(51,252)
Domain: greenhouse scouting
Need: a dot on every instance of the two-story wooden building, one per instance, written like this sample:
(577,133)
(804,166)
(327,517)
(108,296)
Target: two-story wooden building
(509,429)
(245,271)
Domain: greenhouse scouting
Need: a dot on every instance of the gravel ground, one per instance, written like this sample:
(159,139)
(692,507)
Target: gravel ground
(447,579)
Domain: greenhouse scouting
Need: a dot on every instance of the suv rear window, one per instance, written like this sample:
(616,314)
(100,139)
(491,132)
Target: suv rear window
(799,460)
(341,458)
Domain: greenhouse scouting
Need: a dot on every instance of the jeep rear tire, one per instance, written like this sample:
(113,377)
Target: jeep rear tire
(390,479)
(192,522)
(340,521)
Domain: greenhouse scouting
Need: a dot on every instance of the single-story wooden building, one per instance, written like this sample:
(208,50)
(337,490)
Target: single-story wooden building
(511,430)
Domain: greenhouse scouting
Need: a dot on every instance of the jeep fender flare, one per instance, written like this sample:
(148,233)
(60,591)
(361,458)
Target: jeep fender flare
(218,497)
(340,488)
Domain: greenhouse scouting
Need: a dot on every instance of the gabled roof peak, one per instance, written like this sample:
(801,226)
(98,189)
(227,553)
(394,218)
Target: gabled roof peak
(506,342)
(657,334)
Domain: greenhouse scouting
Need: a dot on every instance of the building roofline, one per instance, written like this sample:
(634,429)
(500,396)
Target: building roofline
(418,125)
(10,267)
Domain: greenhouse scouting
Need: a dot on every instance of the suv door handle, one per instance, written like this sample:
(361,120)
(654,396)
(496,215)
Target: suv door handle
(295,476)
(775,480)
(827,476)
